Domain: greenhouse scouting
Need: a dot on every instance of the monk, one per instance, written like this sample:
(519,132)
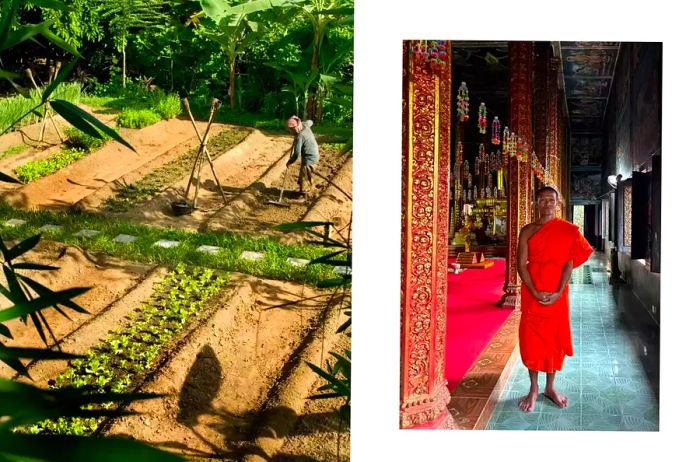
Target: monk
(548,250)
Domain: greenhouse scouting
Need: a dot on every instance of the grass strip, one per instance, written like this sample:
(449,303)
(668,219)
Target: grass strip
(273,266)
(159,179)
(15,106)
(121,361)
(13,151)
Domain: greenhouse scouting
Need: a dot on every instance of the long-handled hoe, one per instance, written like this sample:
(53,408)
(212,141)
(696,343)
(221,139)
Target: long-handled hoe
(279,202)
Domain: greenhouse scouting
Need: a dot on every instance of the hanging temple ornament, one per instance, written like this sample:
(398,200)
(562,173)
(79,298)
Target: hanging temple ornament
(431,51)
(496,131)
(482,118)
(463,102)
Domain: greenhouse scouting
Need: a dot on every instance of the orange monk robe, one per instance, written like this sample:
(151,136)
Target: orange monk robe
(545,330)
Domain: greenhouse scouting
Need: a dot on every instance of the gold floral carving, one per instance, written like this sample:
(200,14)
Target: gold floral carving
(425,226)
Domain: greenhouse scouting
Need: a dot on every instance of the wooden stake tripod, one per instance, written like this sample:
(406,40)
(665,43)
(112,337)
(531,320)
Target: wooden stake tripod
(203,151)
(47,112)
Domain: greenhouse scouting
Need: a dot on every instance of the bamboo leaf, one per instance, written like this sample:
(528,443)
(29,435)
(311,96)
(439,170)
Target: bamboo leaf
(74,114)
(301,225)
(85,449)
(9,75)
(34,266)
(4,330)
(25,32)
(16,366)
(65,70)
(32,306)
(8,179)
(45,291)
(59,42)
(23,247)
(33,353)
(8,10)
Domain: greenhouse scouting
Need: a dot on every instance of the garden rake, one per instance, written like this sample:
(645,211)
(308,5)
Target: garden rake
(279,202)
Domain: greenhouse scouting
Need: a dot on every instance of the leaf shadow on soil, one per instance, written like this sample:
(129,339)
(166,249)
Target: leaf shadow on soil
(242,431)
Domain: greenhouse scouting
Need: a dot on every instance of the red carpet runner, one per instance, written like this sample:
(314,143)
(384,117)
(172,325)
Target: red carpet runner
(472,316)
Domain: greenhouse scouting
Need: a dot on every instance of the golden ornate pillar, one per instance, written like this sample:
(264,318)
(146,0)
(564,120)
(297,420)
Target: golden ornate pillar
(424,226)
(520,59)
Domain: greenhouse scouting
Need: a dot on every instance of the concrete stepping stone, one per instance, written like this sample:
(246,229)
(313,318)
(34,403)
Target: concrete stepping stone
(15,222)
(248,255)
(208,249)
(50,228)
(166,243)
(86,233)
(346,270)
(297,261)
(125,239)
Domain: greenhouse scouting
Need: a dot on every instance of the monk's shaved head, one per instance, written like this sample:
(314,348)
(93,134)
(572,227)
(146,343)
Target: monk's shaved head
(546,188)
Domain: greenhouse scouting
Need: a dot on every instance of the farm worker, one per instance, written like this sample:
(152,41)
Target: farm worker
(548,250)
(304,145)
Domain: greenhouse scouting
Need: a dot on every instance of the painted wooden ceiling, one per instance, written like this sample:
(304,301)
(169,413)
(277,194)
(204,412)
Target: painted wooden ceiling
(587,70)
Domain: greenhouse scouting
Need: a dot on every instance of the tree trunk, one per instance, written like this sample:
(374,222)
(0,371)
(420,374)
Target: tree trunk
(311,100)
(123,65)
(231,81)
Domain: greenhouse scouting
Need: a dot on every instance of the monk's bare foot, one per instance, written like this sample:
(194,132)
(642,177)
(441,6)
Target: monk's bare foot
(556,397)
(527,404)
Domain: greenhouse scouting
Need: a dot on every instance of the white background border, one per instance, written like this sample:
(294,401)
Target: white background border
(380,27)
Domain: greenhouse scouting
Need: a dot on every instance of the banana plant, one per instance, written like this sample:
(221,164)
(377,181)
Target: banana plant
(234,28)
(323,14)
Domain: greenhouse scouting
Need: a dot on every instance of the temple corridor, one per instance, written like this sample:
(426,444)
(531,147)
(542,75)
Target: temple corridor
(612,379)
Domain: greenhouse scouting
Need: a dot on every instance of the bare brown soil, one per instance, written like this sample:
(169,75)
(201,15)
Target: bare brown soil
(29,135)
(251,213)
(66,187)
(236,381)
(221,376)
(237,170)
(95,201)
(110,279)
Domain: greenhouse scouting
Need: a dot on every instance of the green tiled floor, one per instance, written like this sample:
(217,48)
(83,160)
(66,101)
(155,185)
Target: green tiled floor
(605,381)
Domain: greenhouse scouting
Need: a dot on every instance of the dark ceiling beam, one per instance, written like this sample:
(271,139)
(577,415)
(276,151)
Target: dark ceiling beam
(556,48)
(617,58)
(590,77)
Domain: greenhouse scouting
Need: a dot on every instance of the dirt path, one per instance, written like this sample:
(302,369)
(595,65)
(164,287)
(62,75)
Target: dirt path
(94,330)
(319,434)
(95,201)
(237,170)
(39,151)
(250,212)
(220,376)
(109,278)
(71,184)
(334,205)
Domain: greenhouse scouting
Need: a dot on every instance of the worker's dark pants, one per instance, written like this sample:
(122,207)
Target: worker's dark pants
(306,176)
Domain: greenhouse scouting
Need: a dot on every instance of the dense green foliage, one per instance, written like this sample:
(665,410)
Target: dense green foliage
(179,54)
(124,358)
(79,140)
(137,118)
